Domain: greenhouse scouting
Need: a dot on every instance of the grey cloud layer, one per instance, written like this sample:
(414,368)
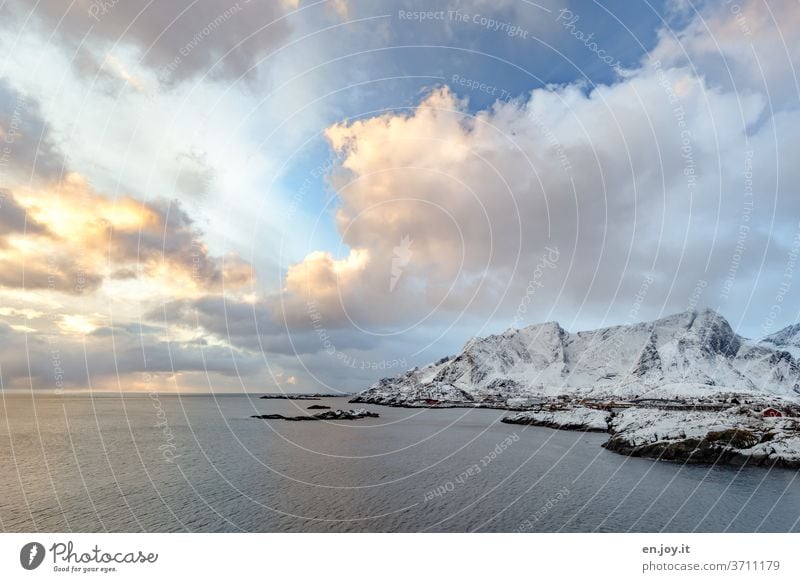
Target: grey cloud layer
(180,39)
(27,147)
(54,362)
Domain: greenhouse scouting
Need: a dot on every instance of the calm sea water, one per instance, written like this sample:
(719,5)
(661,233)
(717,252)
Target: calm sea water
(199,463)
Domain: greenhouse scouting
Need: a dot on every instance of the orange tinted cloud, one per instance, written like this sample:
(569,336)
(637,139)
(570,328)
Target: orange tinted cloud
(78,238)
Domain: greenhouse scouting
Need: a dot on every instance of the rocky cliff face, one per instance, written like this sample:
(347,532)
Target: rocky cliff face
(694,354)
(737,436)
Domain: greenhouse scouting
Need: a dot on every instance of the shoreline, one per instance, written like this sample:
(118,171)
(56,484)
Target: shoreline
(711,433)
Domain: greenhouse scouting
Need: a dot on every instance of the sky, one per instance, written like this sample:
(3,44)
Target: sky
(207,195)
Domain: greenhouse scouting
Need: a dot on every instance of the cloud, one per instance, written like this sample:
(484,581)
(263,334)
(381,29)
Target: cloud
(195,175)
(320,276)
(26,146)
(107,72)
(79,237)
(91,263)
(167,239)
(14,218)
(59,362)
(749,46)
(180,39)
(32,256)
(56,271)
(229,319)
(256,326)
(667,176)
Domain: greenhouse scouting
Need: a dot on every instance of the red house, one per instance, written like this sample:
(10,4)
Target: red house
(771,412)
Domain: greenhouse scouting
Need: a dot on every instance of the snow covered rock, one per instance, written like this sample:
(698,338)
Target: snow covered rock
(734,436)
(787,339)
(578,418)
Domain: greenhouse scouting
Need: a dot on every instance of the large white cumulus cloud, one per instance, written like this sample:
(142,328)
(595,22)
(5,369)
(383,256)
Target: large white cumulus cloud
(677,175)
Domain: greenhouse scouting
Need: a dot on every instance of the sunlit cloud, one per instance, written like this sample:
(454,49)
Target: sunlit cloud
(22,328)
(27,313)
(116,66)
(77,324)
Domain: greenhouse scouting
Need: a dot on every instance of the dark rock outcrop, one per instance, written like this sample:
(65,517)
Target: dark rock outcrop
(327,415)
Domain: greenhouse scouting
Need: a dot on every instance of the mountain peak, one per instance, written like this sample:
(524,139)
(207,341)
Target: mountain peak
(702,316)
(787,339)
(787,334)
(706,313)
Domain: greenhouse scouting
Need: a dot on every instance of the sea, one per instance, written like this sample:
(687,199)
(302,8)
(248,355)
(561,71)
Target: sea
(200,463)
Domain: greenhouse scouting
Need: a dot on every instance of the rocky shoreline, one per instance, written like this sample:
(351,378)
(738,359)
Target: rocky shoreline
(315,396)
(735,436)
(707,433)
(580,418)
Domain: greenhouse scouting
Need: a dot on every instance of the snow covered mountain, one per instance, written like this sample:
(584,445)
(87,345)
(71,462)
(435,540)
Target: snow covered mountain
(694,354)
(787,339)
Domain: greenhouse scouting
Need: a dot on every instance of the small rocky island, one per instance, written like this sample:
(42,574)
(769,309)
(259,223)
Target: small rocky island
(303,396)
(356,414)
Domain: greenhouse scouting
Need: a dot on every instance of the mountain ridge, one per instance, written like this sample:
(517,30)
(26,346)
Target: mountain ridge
(692,354)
